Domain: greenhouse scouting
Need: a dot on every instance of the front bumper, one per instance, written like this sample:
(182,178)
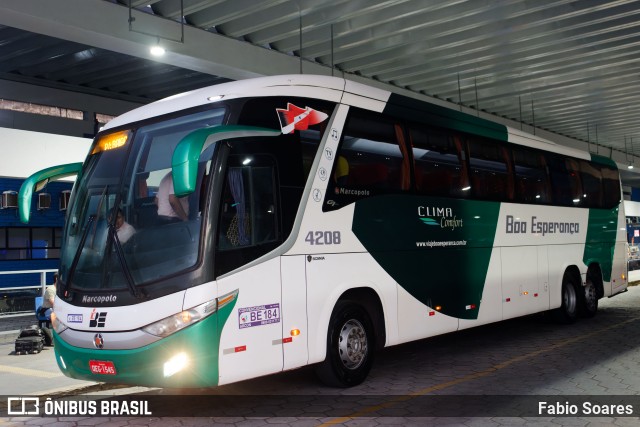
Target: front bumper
(145,365)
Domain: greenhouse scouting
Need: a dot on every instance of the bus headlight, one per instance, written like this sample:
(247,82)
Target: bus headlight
(172,324)
(57,324)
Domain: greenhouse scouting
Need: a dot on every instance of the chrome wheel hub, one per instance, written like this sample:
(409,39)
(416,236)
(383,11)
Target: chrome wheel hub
(352,345)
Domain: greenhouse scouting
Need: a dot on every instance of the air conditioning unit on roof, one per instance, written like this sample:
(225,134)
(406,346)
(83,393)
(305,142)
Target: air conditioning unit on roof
(44,201)
(9,199)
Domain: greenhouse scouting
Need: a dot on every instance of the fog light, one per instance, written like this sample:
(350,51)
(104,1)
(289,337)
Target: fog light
(64,365)
(175,364)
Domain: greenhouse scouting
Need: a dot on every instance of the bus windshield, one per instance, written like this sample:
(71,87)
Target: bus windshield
(126,227)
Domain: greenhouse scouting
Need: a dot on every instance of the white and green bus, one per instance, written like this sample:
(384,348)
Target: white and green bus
(322,219)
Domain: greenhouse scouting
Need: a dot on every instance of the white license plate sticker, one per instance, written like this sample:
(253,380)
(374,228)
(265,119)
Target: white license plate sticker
(258,315)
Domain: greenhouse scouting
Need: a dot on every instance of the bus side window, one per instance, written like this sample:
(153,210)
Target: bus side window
(575,182)
(565,180)
(610,187)
(591,184)
(439,163)
(370,160)
(235,224)
(532,182)
(248,221)
(488,171)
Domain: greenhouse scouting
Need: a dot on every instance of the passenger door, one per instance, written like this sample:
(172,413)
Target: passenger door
(248,227)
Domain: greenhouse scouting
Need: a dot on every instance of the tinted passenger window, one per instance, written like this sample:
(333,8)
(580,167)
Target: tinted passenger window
(565,181)
(531,179)
(591,184)
(370,160)
(489,171)
(610,187)
(248,218)
(439,163)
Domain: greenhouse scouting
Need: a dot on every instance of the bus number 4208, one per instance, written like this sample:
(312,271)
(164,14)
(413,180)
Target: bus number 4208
(323,238)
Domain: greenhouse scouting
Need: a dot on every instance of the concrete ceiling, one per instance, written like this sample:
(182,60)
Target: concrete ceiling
(569,69)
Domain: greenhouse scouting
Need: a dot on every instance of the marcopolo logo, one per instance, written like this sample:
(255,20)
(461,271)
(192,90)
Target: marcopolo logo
(86,299)
(439,216)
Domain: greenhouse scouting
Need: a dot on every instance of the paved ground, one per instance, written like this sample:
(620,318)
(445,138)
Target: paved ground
(479,377)
(10,323)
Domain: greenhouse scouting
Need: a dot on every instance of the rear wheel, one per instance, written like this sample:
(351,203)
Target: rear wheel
(568,311)
(350,344)
(589,299)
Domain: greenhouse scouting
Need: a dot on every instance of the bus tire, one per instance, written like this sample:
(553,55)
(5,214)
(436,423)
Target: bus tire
(589,299)
(568,311)
(350,345)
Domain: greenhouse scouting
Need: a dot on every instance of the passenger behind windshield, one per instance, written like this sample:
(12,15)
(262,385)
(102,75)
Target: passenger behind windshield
(170,207)
(124,230)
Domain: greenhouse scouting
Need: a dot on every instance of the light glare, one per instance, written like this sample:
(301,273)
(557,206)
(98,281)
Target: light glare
(175,364)
(157,50)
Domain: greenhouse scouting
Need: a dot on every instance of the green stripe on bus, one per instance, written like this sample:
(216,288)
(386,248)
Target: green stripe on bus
(422,112)
(603,161)
(437,249)
(601,240)
(601,231)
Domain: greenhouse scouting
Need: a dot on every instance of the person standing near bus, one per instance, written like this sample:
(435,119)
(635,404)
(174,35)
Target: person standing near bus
(48,297)
(170,207)
(47,304)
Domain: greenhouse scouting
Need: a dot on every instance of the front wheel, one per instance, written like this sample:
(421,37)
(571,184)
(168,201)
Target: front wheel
(350,344)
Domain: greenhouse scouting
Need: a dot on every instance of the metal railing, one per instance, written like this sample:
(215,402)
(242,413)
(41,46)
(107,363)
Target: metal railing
(16,299)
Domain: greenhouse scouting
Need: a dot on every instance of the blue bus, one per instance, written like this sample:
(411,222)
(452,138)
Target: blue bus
(34,247)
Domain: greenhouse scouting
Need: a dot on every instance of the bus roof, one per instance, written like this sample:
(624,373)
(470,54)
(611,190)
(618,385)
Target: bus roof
(339,90)
(320,87)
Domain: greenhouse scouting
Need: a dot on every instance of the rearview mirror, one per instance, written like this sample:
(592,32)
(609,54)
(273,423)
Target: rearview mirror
(184,162)
(39,180)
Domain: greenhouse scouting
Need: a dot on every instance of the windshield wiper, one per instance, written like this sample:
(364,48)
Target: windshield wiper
(123,263)
(98,209)
(76,257)
(85,233)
